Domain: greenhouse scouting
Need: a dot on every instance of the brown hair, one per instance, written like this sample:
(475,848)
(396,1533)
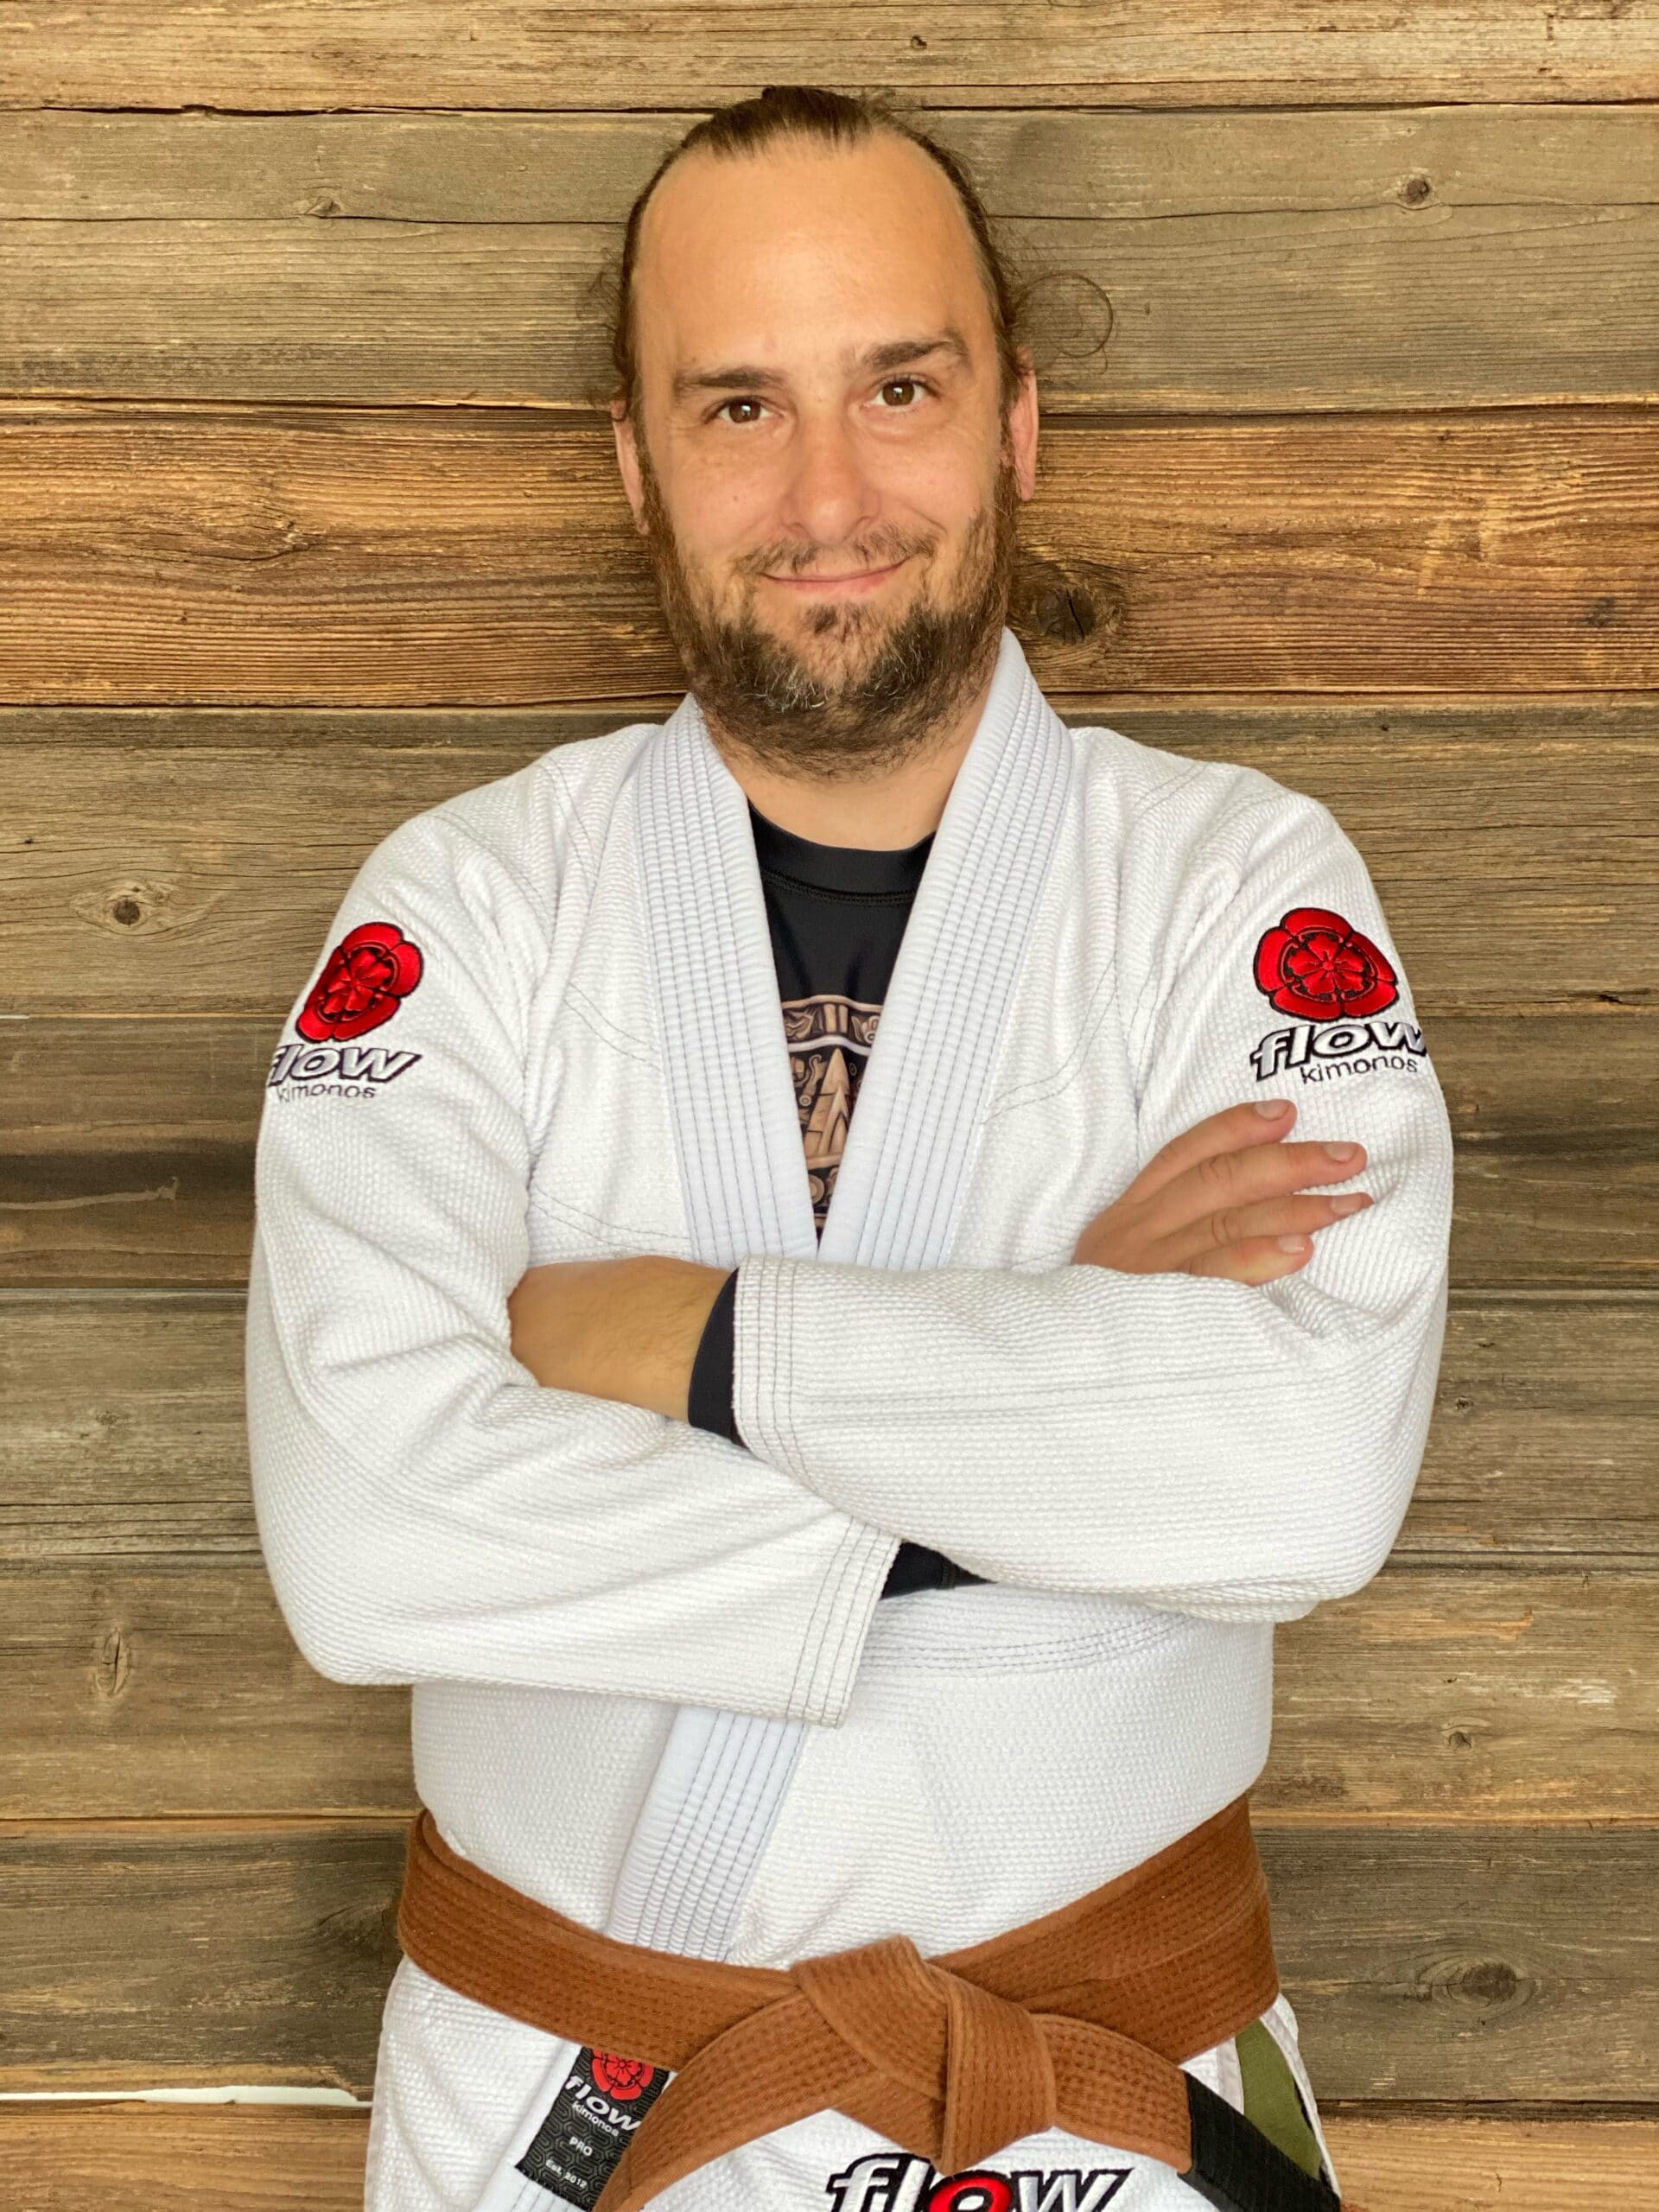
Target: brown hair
(834,119)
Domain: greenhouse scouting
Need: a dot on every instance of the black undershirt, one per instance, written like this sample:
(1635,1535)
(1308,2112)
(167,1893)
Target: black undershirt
(837,914)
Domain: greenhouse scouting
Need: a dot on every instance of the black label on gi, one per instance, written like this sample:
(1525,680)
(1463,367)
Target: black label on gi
(591,2122)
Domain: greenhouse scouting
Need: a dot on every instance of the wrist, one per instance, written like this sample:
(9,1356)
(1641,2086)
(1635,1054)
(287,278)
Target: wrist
(672,1301)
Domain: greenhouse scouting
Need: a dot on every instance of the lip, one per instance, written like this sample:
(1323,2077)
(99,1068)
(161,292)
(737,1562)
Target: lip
(861,580)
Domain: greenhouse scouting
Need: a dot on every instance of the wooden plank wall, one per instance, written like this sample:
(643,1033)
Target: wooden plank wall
(1347,323)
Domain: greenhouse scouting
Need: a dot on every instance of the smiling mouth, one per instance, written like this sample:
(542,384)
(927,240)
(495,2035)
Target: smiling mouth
(852,576)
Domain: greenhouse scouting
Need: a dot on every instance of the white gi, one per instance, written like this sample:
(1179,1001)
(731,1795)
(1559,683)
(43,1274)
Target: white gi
(651,1682)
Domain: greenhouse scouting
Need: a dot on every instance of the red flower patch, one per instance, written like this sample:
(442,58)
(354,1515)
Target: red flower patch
(622,2078)
(1320,968)
(370,973)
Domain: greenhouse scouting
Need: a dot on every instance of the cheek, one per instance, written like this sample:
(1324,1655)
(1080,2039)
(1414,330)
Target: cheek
(940,490)
(733,516)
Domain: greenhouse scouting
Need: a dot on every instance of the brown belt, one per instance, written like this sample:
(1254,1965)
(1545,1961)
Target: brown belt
(1079,2020)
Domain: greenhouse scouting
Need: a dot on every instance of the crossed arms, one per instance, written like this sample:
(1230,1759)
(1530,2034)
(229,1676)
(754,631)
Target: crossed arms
(465,1467)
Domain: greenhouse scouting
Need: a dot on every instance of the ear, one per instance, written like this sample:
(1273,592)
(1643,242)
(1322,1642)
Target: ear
(627,462)
(1022,426)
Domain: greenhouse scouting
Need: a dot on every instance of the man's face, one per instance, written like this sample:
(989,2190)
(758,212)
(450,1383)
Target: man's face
(827,486)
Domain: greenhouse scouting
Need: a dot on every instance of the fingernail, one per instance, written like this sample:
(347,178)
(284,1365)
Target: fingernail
(1340,1151)
(1292,1244)
(1271,1107)
(1350,1202)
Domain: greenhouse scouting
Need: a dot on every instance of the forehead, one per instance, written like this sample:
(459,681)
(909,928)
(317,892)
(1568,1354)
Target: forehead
(801,251)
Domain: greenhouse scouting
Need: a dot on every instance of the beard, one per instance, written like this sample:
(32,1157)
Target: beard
(902,681)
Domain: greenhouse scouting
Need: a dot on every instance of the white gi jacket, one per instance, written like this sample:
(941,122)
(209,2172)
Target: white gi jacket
(651,1682)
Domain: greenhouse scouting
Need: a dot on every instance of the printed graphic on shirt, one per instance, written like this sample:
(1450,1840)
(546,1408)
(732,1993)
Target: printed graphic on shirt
(1314,963)
(363,982)
(829,1038)
(899,2181)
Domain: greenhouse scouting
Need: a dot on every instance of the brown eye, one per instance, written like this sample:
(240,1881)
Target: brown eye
(720,409)
(912,383)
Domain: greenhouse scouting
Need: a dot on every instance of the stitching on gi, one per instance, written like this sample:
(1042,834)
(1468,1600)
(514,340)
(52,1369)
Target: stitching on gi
(1137,815)
(877,1539)
(1061,1077)
(738,1104)
(782,1320)
(799,1703)
(651,1239)
(682,1893)
(787,1366)
(819,1626)
(471,838)
(996,951)
(607,1032)
(856,1548)
(1322,820)
(687,1817)
(765,1368)
(1028,1658)
(742,1858)
(587,857)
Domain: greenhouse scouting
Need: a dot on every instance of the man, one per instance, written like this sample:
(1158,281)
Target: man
(830,1480)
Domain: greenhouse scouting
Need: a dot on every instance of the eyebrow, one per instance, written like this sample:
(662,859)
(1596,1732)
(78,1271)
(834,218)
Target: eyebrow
(743,377)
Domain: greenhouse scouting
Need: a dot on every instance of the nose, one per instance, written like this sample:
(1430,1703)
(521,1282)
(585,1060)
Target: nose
(829,498)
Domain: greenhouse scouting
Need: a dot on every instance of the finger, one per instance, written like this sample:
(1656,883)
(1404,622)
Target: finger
(1258,1259)
(1235,1129)
(1210,1203)
(1295,1216)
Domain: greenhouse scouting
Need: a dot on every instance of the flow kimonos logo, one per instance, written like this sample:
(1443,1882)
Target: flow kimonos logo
(363,982)
(899,2181)
(1314,963)
(581,2142)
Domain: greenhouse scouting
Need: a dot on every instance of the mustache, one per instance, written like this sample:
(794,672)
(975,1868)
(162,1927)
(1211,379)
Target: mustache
(795,561)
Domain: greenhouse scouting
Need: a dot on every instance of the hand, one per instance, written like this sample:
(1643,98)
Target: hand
(624,1329)
(1216,1200)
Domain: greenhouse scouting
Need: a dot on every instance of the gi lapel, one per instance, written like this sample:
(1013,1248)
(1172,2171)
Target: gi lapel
(719,1023)
(724,1776)
(901,1180)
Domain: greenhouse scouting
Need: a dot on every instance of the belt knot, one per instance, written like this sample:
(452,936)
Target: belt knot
(973,2069)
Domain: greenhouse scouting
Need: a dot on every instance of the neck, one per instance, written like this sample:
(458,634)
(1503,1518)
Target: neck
(886,810)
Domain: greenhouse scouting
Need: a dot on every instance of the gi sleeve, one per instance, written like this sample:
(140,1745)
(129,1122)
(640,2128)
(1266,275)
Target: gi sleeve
(1232,1450)
(427,1508)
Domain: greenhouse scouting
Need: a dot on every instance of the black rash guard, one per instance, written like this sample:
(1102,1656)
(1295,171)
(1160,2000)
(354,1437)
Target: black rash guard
(838,914)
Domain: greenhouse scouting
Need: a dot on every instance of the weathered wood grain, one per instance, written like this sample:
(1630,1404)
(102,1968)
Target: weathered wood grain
(169,862)
(1487,2163)
(132,2157)
(477,556)
(136,1691)
(1505,1964)
(125,1436)
(136,2156)
(129,1143)
(182,1953)
(435,53)
(1243,261)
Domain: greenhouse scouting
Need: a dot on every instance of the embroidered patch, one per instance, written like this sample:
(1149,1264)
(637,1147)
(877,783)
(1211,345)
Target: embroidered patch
(367,976)
(1316,965)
